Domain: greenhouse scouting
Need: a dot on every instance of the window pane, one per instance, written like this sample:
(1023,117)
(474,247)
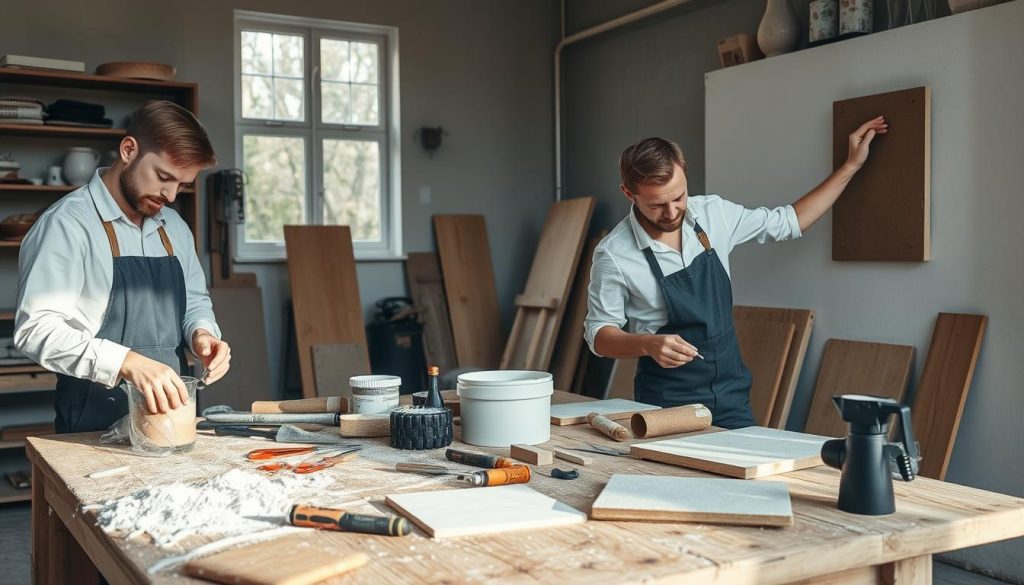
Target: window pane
(288,57)
(364,104)
(257,52)
(257,97)
(335,102)
(363,59)
(276,192)
(288,99)
(334,60)
(352,187)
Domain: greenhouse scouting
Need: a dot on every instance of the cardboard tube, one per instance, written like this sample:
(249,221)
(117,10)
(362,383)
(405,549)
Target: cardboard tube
(304,405)
(670,421)
(609,427)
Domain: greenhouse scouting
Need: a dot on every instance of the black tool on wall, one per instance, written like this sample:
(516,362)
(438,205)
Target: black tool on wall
(227,206)
(865,456)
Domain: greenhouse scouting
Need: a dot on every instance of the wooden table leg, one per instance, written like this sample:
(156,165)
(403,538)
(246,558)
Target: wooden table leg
(41,518)
(56,556)
(912,571)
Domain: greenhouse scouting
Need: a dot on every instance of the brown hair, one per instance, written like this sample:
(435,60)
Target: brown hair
(163,126)
(650,162)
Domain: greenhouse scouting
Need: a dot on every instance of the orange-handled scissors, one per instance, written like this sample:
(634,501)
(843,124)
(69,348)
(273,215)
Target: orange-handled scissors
(264,454)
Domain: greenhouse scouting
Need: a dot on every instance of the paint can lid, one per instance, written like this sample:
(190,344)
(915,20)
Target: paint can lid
(375,381)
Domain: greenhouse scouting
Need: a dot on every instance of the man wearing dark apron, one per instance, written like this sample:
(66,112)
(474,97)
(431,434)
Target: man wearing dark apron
(110,287)
(660,288)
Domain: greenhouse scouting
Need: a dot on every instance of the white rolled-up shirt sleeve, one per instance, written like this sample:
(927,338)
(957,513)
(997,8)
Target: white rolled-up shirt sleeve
(198,307)
(606,297)
(52,274)
(762,223)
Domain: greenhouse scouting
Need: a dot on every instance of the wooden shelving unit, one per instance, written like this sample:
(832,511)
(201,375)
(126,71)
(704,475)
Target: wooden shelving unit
(22,379)
(59,131)
(10,494)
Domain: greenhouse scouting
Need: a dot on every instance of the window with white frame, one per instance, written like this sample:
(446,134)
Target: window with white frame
(316,131)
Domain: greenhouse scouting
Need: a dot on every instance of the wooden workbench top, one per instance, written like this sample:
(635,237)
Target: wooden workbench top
(931,517)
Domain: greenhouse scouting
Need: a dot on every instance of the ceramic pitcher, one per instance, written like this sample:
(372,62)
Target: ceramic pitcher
(79,164)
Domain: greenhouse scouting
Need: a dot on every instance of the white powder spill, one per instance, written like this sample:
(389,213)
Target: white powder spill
(236,502)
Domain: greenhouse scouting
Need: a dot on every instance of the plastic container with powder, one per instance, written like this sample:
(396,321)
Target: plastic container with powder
(374,394)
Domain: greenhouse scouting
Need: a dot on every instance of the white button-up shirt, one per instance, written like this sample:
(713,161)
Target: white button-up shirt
(623,291)
(66,271)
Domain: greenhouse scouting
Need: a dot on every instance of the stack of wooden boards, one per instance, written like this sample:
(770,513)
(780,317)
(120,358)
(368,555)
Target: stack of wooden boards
(773,342)
(457,298)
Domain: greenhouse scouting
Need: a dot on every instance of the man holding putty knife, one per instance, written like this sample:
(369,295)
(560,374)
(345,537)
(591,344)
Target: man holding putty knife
(659,285)
(110,287)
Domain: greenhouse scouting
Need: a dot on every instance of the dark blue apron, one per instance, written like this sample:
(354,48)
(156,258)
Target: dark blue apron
(699,302)
(145,313)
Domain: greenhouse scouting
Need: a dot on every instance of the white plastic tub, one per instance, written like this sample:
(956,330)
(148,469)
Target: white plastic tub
(505,407)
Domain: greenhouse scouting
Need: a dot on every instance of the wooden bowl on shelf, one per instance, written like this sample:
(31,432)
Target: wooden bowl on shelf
(138,70)
(14,227)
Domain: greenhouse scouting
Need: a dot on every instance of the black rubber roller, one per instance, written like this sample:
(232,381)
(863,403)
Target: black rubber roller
(418,428)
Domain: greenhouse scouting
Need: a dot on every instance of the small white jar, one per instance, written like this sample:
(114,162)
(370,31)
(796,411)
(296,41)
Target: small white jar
(374,394)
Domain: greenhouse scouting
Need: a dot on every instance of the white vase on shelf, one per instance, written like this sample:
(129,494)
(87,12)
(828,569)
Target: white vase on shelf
(779,31)
(79,165)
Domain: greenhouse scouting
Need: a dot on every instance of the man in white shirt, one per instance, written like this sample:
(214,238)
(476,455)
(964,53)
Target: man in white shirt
(110,287)
(659,285)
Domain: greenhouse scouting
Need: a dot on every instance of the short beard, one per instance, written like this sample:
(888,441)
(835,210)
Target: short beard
(132,195)
(659,226)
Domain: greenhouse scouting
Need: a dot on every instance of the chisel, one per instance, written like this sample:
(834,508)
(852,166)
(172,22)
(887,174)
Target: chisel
(308,516)
(485,478)
(478,459)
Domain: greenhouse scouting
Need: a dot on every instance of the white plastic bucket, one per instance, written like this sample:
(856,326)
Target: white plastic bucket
(505,407)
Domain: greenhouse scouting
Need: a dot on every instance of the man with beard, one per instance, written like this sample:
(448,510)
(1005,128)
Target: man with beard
(659,285)
(110,286)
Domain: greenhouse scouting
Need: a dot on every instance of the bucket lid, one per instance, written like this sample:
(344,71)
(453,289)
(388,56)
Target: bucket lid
(504,377)
(505,385)
(374,381)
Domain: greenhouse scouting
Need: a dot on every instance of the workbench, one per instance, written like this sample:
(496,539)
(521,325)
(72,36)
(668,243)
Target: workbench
(823,546)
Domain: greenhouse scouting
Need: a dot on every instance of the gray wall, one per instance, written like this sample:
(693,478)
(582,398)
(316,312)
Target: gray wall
(769,139)
(481,69)
(765,138)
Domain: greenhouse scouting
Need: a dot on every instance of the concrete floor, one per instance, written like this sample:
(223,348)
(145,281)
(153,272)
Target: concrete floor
(15,567)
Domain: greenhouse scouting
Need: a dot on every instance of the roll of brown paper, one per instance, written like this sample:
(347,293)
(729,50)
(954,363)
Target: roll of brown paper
(609,427)
(669,421)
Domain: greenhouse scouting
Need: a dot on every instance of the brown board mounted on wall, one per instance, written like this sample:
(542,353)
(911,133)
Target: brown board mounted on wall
(883,214)
(325,292)
(856,367)
(945,380)
(469,286)
(541,306)
(426,287)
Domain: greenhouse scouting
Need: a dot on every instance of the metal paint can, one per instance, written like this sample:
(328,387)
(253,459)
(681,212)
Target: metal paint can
(374,394)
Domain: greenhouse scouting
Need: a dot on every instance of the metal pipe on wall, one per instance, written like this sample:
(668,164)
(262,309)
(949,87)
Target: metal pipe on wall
(576,37)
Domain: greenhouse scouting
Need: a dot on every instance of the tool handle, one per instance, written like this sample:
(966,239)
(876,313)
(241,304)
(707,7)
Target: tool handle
(506,475)
(301,406)
(244,432)
(477,459)
(262,454)
(308,516)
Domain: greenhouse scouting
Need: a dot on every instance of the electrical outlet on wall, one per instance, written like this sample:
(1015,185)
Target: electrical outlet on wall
(426,195)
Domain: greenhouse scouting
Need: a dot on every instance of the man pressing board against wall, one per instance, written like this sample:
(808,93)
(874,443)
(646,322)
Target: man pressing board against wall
(110,287)
(659,285)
